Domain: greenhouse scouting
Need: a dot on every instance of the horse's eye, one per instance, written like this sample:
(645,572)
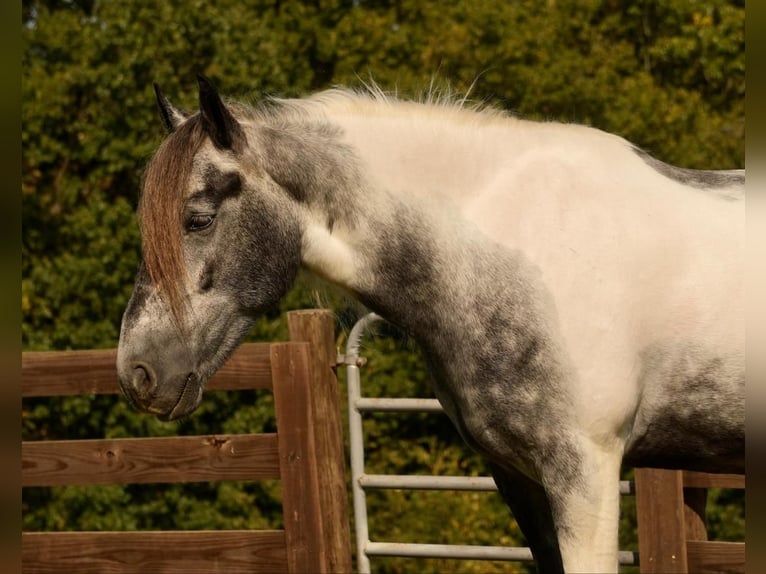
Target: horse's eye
(199,222)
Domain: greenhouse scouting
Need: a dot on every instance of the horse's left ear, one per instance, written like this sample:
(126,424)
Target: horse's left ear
(219,124)
(171,116)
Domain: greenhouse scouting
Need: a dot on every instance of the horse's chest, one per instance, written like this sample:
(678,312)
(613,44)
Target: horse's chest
(506,396)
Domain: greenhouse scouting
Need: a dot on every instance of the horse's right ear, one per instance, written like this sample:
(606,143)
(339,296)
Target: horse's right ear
(171,115)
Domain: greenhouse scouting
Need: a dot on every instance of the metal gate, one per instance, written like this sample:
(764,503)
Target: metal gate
(361,481)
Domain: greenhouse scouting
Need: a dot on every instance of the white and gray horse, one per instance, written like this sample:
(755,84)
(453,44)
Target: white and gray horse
(580,303)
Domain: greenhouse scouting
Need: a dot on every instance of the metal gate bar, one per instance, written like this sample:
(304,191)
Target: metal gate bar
(360,480)
(399,405)
(457,551)
(429,482)
(426,482)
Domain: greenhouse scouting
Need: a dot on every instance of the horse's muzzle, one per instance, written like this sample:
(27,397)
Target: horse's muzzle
(169,399)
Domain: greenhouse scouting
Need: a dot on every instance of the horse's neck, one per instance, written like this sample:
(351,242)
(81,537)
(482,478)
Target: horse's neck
(407,252)
(431,157)
(417,260)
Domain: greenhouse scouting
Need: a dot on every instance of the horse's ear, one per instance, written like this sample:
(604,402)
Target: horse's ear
(171,115)
(219,124)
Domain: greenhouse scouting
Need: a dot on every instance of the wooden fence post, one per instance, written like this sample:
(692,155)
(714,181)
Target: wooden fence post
(672,535)
(317,327)
(661,521)
(304,533)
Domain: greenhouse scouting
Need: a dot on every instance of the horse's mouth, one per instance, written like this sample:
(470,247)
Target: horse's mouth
(188,400)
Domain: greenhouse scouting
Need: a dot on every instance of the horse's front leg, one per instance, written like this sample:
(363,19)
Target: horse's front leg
(570,521)
(586,512)
(531,509)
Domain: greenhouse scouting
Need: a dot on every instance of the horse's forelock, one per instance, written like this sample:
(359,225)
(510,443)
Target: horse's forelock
(161,212)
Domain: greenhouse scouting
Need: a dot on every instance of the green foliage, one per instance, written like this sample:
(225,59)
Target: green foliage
(76,278)
(667,74)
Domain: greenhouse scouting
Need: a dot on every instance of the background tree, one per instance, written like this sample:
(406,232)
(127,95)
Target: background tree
(667,74)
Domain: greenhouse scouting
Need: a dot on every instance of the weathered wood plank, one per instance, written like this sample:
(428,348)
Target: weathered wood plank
(316,327)
(248,368)
(61,373)
(55,373)
(143,460)
(715,557)
(695,519)
(710,480)
(190,552)
(297,457)
(661,521)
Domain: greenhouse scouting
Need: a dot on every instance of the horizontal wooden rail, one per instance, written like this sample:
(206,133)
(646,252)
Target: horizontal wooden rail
(169,552)
(143,460)
(61,373)
(708,480)
(712,556)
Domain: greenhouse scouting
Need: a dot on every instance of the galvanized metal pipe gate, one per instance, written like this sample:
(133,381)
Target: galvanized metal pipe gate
(361,481)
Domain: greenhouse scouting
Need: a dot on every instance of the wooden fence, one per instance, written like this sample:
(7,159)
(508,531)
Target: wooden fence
(306,453)
(672,537)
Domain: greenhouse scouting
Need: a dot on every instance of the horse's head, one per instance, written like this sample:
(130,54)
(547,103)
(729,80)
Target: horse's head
(220,244)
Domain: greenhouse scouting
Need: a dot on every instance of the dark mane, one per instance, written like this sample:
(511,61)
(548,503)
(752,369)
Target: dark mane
(161,212)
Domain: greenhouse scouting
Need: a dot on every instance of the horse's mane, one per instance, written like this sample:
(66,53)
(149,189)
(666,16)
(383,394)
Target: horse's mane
(161,211)
(371,99)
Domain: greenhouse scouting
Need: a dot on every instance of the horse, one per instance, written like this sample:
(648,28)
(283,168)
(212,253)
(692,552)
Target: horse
(578,301)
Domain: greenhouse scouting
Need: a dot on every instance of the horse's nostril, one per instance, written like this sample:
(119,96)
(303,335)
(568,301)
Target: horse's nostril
(143,381)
